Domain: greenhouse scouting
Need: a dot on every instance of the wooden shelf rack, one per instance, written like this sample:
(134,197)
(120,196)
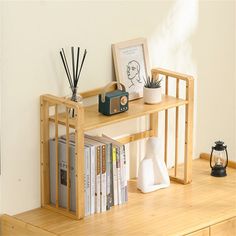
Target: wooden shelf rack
(88,118)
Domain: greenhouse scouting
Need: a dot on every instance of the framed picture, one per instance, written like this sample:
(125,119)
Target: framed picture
(131,65)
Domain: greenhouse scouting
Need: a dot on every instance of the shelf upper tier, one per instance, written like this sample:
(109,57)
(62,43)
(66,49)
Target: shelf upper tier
(93,119)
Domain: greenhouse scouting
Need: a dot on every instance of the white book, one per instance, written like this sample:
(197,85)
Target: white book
(92,177)
(62,175)
(124,196)
(118,175)
(115,186)
(103,178)
(125,172)
(87,180)
(108,172)
(122,175)
(109,182)
(98,181)
(97,172)
(103,186)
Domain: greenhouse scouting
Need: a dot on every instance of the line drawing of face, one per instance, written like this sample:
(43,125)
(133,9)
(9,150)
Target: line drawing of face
(133,69)
(133,72)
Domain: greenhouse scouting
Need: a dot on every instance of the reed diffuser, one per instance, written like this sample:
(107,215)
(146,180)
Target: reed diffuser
(73,78)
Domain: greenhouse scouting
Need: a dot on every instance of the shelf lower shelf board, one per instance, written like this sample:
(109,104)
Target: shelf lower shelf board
(93,119)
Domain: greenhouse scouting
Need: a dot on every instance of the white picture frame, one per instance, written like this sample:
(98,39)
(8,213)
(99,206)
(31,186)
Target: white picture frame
(131,64)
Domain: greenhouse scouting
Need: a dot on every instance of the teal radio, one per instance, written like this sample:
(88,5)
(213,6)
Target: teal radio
(115,101)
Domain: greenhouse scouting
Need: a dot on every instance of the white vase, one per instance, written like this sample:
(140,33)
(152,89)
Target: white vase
(151,95)
(152,173)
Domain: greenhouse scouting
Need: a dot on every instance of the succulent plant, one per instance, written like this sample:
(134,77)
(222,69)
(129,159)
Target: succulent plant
(152,83)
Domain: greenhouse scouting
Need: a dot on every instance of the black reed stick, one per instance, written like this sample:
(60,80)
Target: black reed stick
(63,61)
(81,66)
(75,69)
(73,64)
(145,81)
(67,67)
(77,63)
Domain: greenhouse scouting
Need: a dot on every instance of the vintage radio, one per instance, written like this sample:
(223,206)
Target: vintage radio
(115,101)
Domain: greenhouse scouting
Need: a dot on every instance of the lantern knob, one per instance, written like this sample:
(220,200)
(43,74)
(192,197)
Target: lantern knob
(220,146)
(219,142)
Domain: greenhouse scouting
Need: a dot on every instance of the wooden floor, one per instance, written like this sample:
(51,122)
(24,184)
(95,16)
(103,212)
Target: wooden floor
(177,210)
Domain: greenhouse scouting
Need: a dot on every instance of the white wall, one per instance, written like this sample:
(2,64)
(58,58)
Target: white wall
(214,48)
(1,24)
(33,34)
(35,31)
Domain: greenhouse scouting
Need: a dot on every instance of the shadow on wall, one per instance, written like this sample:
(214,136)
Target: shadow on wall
(170,47)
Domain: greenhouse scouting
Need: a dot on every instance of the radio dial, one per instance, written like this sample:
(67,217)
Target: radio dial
(123,100)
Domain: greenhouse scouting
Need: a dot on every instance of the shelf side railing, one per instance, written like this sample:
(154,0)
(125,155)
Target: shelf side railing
(188,142)
(46,103)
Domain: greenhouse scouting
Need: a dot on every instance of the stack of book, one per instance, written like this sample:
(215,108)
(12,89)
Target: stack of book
(104,173)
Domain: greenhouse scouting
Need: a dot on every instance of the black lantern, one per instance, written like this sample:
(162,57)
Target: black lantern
(219,159)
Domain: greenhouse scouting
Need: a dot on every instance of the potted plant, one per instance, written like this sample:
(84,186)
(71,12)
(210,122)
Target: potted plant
(152,90)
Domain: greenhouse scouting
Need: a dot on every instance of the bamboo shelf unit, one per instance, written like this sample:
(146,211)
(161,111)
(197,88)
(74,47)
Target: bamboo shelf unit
(88,118)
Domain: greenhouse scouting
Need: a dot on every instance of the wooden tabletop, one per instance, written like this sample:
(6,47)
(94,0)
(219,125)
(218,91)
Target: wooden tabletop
(177,210)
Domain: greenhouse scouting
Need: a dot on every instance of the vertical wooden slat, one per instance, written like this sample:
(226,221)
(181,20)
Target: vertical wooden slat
(79,161)
(155,75)
(188,131)
(56,156)
(154,116)
(176,129)
(167,85)
(166,121)
(68,157)
(44,151)
(154,123)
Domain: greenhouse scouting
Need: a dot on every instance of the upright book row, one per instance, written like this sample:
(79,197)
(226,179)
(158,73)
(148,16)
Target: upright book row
(105,180)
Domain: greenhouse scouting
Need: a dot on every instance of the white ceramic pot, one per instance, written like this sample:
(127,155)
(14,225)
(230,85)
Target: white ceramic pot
(151,95)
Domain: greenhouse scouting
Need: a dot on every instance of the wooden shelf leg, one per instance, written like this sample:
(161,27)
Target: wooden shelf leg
(68,158)
(166,121)
(176,130)
(56,156)
(188,132)
(44,151)
(79,162)
(166,137)
(154,123)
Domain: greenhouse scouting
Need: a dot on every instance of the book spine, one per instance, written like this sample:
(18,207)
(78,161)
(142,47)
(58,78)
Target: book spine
(125,175)
(63,181)
(98,180)
(103,179)
(108,176)
(72,177)
(111,176)
(87,182)
(92,176)
(115,187)
(85,186)
(63,167)
(52,156)
(118,175)
(122,177)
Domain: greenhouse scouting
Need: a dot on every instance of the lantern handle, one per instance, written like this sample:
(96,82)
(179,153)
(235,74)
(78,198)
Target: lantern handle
(226,157)
(211,157)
